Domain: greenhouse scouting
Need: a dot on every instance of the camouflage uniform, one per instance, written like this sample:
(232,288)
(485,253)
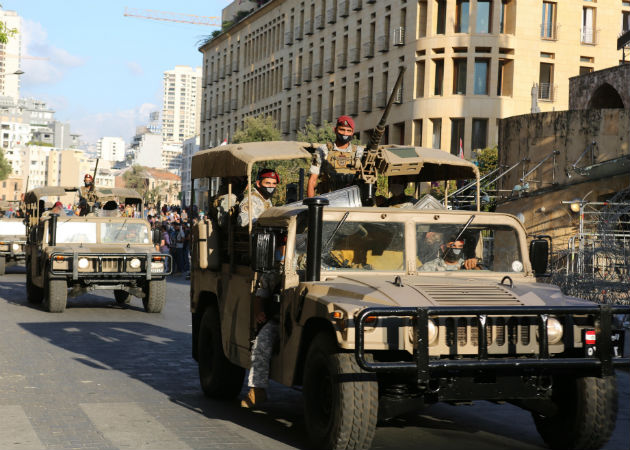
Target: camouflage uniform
(222,206)
(336,167)
(262,348)
(259,205)
(438,265)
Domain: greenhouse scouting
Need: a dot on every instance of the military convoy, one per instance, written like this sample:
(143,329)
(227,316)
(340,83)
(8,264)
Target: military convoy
(67,256)
(371,327)
(12,239)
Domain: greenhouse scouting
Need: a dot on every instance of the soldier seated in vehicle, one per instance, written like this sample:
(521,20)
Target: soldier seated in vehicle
(451,257)
(265,186)
(224,202)
(399,199)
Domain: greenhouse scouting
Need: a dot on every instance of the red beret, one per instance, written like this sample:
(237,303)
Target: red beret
(345,121)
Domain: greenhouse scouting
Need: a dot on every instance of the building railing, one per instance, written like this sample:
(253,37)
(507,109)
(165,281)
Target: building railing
(589,35)
(399,36)
(366,103)
(357,5)
(286,82)
(381,99)
(546,92)
(353,108)
(288,38)
(342,60)
(319,22)
(234,103)
(307,74)
(298,35)
(344,9)
(331,15)
(549,31)
(329,65)
(368,49)
(317,118)
(285,127)
(355,55)
(383,43)
(317,70)
(308,27)
(235,66)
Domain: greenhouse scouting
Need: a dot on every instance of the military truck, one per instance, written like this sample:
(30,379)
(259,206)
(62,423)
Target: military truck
(67,256)
(372,324)
(12,239)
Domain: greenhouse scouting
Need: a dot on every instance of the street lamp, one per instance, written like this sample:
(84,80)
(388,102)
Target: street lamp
(18,72)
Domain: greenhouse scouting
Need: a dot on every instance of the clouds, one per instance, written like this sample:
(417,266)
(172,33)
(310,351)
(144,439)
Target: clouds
(120,123)
(135,68)
(57,60)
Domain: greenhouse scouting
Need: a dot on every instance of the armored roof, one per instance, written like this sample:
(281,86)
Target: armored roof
(429,163)
(236,160)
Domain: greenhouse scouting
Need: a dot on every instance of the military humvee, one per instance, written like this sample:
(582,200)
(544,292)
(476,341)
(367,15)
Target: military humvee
(375,321)
(12,239)
(71,255)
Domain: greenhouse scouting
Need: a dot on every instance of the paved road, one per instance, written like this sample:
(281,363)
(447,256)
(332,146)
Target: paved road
(103,377)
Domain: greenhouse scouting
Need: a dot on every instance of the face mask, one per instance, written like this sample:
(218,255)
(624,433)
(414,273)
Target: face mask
(343,138)
(396,189)
(452,255)
(267,192)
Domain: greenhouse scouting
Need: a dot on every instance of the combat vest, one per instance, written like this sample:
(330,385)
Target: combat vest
(338,169)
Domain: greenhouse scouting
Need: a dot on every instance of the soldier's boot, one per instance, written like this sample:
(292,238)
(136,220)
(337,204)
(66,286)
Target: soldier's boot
(255,397)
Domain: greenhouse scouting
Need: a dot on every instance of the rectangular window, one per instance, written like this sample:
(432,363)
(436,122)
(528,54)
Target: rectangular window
(422,18)
(420,65)
(436,141)
(459,76)
(484,16)
(479,134)
(462,13)
(625,21)
(457,136)
(481,76)
(417,132)
(588,25)
(440,22)
(545,80)
(584,70)
(439,76)
(505,77)
(548,25)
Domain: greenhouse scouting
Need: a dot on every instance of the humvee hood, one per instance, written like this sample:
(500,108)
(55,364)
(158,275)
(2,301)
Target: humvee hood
(418,291)
(106,249)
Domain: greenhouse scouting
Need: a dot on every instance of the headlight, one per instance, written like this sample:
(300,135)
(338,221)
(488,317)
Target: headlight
(83,263)
(554,330)
(433,332)
(157,267)
(134,263)
(16,247)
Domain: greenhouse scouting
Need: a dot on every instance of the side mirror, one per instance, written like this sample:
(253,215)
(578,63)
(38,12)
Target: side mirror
(157,236)
(539,251)
(263,249)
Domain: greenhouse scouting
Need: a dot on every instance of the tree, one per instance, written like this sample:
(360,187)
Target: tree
(136,178)
(487,160)
(311,133)
(5,167)
(6,33)
(257,129)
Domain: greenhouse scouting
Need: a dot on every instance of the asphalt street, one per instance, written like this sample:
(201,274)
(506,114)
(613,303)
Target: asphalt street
(100,376)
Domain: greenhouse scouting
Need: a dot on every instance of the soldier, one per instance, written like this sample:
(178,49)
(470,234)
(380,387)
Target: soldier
(224,202)
(337,162)
(399,199)
(451,257)
(266,183)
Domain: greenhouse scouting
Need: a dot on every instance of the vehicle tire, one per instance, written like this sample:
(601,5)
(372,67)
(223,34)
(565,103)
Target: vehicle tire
(340,399)
(56,295)
(3,265)
(34,294)
(585,416)
(122,297)
(154,296)
(219,378)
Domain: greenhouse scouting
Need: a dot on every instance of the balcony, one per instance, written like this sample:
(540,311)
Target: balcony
(319,22)
(222,72)
(302,121)
(220,109)
(339,110)
(317,118)
(398,98)
(331,15)
(589,36)
(399,36)
(326,115)
(234,104)
(215,76)
(383,43)
(298,33)
(288,38)
(294,123)
(226,107)
(307,74)
(317,70)
(286,82)
(549,32)
(370,1)
(235,66)
(366,104)
(368,49)
(546,92)
(355,55)
(308,27)
(357,5)
(285,127)
(344,9)
(342,60)
(381,100)
(329,65)
(353,108)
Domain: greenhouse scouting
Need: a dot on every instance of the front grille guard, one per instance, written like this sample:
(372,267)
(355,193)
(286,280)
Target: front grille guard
(146,258)
(425,367)
(12,253)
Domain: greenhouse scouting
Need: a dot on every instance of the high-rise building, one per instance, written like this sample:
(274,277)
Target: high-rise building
(10,54)
(181,105)
(469,63)
(111,148)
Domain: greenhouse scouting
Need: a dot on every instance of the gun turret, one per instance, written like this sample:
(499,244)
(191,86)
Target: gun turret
(369,170)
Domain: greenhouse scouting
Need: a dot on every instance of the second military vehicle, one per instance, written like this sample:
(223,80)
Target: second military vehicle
(71,255)
(12,240)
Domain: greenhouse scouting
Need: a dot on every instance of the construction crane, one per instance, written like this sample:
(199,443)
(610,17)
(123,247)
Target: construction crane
(172,17)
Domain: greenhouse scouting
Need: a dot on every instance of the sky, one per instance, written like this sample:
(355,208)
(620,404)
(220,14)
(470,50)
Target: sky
(103,71)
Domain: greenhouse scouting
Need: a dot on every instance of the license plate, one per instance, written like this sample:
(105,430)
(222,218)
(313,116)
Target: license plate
(617,338)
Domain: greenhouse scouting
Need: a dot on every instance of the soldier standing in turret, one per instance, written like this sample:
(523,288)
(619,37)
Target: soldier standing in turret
(337,163)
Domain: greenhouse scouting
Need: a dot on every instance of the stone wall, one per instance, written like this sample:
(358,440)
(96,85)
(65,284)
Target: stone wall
(599,89)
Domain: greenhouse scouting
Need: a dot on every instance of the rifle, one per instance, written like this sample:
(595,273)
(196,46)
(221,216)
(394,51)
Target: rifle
(369,170)
(90,196)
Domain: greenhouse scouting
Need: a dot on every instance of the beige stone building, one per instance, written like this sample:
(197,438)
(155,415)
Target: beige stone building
(469,63)
(181,104)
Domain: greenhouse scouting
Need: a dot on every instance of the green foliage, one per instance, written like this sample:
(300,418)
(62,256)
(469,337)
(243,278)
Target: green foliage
(313,134)
(40,144)
(289,172)
(5,166)
(135,178)
(6,33)
(257,129)
(487,160)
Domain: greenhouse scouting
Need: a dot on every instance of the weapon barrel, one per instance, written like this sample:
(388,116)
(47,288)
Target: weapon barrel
(95,170)
(378,132)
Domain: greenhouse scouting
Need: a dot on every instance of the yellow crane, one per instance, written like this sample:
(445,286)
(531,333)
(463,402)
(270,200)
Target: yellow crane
(166,16)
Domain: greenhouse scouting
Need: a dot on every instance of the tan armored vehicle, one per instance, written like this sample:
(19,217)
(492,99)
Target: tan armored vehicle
(12,239)
(67,256)
(379,314)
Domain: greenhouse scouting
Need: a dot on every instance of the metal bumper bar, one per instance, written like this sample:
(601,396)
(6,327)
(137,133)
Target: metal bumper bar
(426,367)
(122,264)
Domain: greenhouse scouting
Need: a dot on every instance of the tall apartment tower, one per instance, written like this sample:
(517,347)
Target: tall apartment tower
(182,104)
(10,55)
(111,148)
(469,63)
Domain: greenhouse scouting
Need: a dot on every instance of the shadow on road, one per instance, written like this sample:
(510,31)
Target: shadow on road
(161,358)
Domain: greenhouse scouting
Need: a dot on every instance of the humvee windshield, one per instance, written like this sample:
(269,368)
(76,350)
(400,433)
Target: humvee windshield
(12,228)
(363,246)
(74,232)
(495,247)
(133,233)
